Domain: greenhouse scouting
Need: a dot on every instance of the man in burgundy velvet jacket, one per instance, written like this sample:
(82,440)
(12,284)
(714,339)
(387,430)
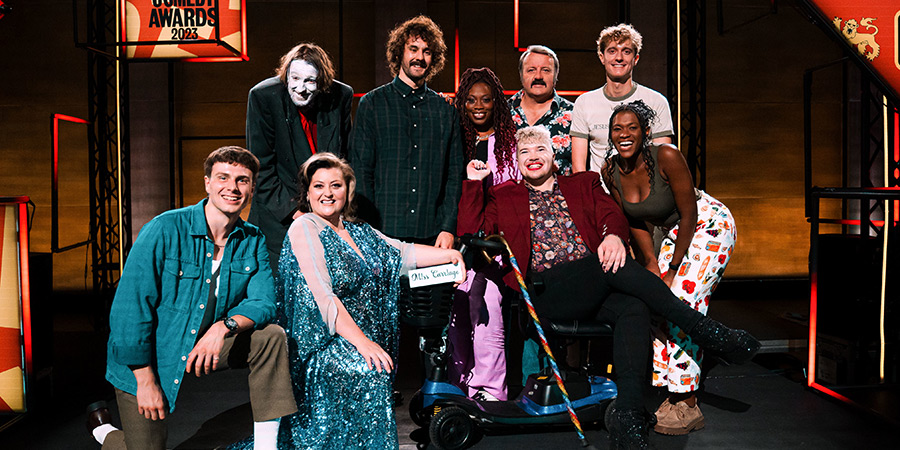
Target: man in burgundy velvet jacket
(602,225)
(570,237)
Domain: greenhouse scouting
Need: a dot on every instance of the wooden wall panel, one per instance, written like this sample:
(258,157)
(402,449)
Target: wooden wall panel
(754,86)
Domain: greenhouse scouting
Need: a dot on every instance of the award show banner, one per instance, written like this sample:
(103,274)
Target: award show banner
(15,333)
(176,29)
(872,27)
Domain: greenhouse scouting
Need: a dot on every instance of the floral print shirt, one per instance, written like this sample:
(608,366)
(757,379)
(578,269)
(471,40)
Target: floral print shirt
(554,237)
(558,120)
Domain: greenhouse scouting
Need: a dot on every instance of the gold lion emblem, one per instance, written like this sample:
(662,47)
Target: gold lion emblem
(864,42)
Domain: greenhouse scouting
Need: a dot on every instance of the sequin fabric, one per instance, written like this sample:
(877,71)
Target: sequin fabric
(342,404)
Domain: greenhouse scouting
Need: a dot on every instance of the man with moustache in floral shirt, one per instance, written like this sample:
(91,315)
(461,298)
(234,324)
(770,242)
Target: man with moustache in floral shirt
(538,104)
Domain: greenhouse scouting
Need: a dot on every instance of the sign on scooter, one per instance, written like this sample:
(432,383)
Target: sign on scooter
(427,276)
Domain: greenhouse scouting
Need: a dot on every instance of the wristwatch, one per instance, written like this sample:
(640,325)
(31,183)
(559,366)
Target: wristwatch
(231,324)
(674,265)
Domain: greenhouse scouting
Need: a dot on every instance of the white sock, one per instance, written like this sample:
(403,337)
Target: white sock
(101,431)
(265,435)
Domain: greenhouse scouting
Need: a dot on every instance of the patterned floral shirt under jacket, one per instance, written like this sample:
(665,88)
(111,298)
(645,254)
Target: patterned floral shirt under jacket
(558,120)
(554,237)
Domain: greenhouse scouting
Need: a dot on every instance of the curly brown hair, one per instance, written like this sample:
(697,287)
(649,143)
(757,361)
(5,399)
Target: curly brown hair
(645,116)
(504,127)
(417,27)
(325,160)
(618,34)
(313,54)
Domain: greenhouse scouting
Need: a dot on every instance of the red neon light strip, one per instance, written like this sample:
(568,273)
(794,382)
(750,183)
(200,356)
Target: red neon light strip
(69,118)
(561,93)
(456,62)
(244,53)
(877,223)
(813,321)
(123,36)
(56,119)
(516,24)
(26,283)
(830,392)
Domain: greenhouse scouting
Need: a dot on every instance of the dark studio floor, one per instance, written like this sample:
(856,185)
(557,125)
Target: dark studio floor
(762,405)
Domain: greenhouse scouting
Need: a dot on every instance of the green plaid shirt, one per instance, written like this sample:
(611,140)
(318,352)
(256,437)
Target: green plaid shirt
(406,151)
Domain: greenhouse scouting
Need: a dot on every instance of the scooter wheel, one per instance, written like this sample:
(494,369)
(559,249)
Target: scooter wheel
(607,415)
(451,429)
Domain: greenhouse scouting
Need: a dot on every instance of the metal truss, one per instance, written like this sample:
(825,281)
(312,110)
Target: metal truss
(686,31)
(110,206)
(871,152)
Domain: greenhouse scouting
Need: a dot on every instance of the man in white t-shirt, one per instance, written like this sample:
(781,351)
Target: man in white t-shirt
(619,48)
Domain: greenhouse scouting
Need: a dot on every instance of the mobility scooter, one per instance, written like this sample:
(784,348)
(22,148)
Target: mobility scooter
(450,416)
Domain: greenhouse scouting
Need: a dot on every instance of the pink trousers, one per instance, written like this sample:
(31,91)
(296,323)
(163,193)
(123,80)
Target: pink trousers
(476,335)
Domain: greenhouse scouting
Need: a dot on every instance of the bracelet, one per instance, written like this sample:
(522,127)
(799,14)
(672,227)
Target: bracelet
(674,265)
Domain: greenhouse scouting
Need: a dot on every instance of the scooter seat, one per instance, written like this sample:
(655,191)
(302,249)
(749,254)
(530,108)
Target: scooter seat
(579,328)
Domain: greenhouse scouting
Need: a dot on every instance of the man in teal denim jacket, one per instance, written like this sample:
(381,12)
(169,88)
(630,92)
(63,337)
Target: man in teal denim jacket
(196,296)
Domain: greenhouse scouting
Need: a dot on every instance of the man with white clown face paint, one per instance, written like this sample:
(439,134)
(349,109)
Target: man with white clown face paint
(303,82)
(298,112)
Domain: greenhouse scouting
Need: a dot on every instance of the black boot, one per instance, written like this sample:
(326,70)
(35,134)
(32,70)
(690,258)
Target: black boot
(629,429)
(732,346)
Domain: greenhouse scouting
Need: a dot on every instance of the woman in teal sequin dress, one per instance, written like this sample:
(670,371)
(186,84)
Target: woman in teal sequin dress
(337,302)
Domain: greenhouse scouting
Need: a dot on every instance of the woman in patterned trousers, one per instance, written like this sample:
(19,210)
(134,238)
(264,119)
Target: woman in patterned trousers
(680,233)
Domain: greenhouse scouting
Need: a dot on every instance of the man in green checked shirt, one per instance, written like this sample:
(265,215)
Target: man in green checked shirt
(405,145)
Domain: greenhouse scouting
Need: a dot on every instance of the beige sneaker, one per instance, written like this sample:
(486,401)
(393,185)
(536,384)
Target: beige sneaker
(678,419)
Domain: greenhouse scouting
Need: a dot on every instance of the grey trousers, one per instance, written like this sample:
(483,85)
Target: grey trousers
(271,395)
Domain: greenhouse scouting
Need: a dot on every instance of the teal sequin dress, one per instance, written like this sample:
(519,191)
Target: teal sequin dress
(342,404)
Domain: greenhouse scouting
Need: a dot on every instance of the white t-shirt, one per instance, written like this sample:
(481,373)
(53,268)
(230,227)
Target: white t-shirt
(590,118)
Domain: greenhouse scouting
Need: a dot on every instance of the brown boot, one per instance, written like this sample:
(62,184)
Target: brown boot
(679,419)
(664,409)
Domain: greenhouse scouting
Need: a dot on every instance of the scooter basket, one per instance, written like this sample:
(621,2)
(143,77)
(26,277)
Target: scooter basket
(426,306)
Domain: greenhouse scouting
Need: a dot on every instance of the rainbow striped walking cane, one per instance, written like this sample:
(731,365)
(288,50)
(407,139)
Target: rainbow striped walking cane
(544,343)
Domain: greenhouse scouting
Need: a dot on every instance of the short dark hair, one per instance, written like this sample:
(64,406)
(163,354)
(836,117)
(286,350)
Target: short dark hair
(232,154)
(325,160)
(312,54)
(417,27)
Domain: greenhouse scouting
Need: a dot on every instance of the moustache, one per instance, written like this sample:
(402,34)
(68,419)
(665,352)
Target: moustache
(538,83)
(418,62)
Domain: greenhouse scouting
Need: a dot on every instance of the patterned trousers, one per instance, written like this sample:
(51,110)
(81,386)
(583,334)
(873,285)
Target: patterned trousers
(676,359)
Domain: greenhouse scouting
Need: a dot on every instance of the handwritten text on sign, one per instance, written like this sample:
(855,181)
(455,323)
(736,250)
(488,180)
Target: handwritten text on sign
(427,276)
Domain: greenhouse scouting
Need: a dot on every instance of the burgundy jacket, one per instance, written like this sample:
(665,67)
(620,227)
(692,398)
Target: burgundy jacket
(506,210)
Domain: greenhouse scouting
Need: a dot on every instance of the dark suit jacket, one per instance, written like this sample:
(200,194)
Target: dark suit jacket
(275,135)
(506,210)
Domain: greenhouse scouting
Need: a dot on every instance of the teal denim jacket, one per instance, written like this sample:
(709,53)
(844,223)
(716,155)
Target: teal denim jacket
(160,301)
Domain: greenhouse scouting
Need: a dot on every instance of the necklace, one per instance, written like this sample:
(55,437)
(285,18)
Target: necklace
(479,137)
